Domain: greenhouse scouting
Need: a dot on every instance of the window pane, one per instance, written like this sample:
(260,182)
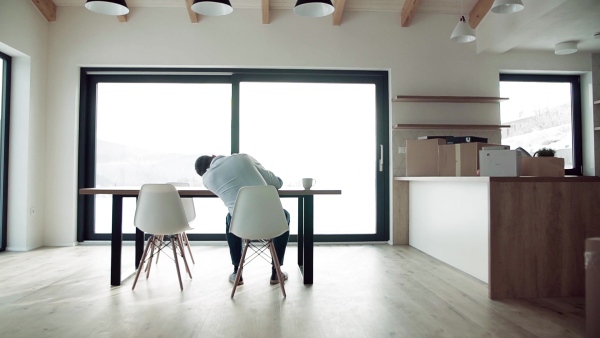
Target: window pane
(540,116)
(324,131)
(153,133)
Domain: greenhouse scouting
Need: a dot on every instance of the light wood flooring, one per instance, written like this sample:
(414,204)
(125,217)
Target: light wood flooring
(359,291)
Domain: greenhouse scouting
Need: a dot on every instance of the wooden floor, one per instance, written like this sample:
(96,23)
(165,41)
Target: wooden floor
(358,291)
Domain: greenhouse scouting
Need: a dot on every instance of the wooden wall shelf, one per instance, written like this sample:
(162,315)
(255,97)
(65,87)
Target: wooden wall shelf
(452,99)
(451,126)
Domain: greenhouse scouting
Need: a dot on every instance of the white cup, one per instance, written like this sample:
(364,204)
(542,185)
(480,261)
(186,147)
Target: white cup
(307,183)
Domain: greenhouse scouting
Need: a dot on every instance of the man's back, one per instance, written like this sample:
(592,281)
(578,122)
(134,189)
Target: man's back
(227,174)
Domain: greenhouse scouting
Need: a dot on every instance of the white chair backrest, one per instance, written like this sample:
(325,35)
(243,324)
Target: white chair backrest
(258,213)
(188,202)
(159,210)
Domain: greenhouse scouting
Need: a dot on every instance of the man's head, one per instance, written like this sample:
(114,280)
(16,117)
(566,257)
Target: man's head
(202,164)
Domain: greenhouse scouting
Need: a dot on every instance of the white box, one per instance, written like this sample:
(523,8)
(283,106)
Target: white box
(504,163)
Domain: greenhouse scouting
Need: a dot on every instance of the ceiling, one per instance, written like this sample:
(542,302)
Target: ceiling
(541,25)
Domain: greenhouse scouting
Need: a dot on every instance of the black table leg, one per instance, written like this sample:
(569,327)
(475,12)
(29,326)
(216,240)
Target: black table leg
(300,232)
(308,239)
(116,241)
(139,246)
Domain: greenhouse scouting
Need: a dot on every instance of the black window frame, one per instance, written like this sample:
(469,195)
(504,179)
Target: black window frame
(576,116)
(5,127)
(89,77)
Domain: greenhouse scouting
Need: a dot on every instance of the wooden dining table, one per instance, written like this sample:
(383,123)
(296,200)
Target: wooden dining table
(305,224)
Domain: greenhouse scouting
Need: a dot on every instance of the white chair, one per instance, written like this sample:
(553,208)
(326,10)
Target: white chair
(160,212)
(258,218)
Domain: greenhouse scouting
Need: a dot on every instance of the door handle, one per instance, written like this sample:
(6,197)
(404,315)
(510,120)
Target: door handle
(381,157)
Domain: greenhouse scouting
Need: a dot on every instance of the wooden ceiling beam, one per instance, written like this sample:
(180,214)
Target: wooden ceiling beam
(193,15)
(408,11)
(47,8)
(339,12)
(265,11)
(478,12)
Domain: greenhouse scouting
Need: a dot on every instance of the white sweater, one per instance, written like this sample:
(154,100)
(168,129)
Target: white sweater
(227,174)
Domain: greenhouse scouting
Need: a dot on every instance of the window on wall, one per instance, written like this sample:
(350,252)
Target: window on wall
(544,111)
(5,71)
(137,129)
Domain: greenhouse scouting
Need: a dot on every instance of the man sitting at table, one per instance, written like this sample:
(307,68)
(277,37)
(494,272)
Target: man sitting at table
(224,176)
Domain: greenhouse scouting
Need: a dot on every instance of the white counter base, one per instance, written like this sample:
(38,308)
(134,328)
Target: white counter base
(449,220)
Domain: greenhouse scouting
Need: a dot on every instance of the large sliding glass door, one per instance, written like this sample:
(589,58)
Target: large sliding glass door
(5,71)
(138,129)
(328,137)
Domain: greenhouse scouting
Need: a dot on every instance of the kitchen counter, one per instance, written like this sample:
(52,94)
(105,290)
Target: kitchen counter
(524,236)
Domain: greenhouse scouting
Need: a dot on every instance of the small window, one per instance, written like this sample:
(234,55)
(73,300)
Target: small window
(543,111)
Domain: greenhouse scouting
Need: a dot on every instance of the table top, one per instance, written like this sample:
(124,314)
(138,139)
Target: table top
(197,191)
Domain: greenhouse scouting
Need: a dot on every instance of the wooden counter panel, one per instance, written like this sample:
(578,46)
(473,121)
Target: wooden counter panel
(400,217)
(537,237)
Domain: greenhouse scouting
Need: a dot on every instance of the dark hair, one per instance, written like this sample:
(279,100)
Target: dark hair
(202,164)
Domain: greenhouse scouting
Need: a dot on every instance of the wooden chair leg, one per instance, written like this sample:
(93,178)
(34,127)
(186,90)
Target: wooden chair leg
(240,269)
(176,262)
(152,255)
(187,243)
(160,239)
(277,267)
(154,243)
(182,249)
(180,240)
(137,275)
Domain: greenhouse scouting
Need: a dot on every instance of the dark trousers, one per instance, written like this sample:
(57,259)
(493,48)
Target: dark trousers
(235,243)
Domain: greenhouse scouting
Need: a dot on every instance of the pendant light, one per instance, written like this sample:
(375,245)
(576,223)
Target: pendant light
(507,6)
(314,8)
(212,7)
(108,7)
(462,33)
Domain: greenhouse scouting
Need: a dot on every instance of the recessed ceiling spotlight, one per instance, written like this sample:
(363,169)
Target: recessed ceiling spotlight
(565,48)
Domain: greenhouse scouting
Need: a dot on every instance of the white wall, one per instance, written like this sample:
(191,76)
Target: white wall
(421,59)
(23,36)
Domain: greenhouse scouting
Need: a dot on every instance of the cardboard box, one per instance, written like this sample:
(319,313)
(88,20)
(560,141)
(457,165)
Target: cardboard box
(460,159)
(543,166)
(495,163)
(422,157)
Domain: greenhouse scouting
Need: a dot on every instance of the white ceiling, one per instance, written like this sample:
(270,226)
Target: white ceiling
(540,26)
